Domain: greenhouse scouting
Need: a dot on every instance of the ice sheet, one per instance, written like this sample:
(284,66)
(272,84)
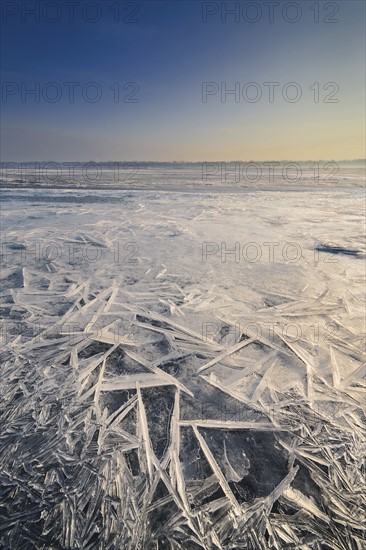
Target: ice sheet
(183,370)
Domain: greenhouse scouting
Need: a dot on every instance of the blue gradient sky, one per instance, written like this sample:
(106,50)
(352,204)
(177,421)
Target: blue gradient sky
(169,52)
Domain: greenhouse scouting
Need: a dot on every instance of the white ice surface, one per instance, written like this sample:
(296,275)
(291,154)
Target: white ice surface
(121,336)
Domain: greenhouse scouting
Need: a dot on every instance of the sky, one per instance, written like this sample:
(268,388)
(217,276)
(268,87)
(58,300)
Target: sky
(151,80)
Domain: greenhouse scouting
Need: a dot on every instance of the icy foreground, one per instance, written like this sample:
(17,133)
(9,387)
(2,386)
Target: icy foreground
(182,370)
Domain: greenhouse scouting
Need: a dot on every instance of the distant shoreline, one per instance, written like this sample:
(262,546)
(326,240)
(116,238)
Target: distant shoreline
(188,188)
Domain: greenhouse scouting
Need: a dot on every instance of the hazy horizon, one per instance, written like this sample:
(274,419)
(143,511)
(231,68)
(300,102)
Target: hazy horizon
(182,161)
